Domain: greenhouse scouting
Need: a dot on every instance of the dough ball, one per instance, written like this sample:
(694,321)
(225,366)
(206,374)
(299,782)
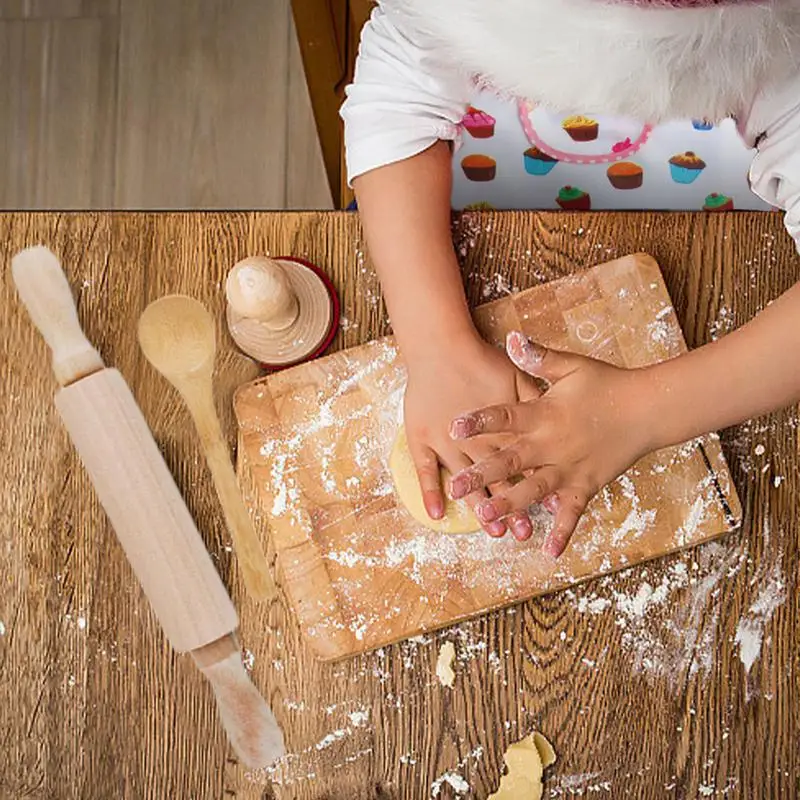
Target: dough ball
(458,518)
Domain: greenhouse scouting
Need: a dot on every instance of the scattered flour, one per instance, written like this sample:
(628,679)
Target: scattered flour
(696,515)
(596,606)
(2,628)
(637,521)
(359,718)
(453,779)
(669,624)
(579,785)
(279,504)
(663,312)
(328,740)
(750,630)
(724,323)
(661,331)
(497,286)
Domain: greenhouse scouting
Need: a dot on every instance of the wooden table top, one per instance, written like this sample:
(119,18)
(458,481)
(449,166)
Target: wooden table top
(675,679)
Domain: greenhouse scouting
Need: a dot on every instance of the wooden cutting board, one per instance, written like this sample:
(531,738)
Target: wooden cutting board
(360,573)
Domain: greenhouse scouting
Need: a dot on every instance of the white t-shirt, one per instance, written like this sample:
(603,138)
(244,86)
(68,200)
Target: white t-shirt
(421,61)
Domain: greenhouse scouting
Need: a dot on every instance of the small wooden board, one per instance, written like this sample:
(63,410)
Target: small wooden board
(360,573)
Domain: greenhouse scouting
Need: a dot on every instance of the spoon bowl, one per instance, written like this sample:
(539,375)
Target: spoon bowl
(177,335)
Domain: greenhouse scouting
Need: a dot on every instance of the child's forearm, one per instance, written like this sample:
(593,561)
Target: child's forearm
(405,209)
(751,371)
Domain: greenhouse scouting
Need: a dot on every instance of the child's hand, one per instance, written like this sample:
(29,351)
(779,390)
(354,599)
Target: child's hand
(584,431)
(440,387)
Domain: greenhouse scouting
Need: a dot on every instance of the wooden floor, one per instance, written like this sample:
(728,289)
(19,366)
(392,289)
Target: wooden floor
(153,104)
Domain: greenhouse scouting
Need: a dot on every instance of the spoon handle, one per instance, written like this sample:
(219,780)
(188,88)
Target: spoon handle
(255,570)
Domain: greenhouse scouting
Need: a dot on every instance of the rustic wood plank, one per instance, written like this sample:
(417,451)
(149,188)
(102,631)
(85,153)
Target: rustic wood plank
(203,104)
(324,60)
(664,701)
(57,9)
(360,11)
(57,112)
(307,185)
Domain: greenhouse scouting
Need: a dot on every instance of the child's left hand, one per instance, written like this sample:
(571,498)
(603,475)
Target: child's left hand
(588,427)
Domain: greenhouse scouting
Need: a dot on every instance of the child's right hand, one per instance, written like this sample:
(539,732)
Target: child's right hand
(405,209)
(444,384)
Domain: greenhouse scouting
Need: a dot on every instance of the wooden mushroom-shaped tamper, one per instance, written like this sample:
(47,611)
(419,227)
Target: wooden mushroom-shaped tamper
(280,311)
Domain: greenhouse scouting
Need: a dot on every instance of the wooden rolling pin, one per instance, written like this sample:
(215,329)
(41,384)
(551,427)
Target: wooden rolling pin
(145,507)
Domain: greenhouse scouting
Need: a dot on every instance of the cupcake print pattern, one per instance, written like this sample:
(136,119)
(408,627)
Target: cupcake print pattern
(478,124)
(570,198)
(625,175)
(718,202)
(479,168)
(538,162)
(686,167)
(581,129)
(522,156)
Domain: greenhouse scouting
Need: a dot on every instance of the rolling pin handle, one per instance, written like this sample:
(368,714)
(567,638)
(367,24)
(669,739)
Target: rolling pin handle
(45,292)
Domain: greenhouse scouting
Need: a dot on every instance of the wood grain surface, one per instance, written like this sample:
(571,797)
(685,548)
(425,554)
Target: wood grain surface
(360,572)
(94,704)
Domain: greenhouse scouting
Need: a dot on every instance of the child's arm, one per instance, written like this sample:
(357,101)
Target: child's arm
(405,209)
(749,372)
(403,103)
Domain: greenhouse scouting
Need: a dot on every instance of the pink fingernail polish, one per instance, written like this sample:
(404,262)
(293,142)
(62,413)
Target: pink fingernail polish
(496,529)
(486,511)
(459,486)
(550,503)
(461,428)
(522,529)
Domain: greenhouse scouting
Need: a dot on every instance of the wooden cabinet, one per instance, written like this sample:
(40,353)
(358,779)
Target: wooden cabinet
(329,31)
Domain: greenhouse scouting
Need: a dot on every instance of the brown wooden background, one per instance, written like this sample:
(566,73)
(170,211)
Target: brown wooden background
(103,708)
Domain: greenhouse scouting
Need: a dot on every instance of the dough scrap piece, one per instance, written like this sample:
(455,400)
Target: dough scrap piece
(546,752)
(458,518)
(526,761)
(444,665)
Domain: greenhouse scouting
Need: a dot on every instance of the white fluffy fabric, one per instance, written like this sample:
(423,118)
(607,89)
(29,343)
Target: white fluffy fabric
(591,56)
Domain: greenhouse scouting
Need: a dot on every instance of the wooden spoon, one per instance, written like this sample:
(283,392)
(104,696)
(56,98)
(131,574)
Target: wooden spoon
(177,336)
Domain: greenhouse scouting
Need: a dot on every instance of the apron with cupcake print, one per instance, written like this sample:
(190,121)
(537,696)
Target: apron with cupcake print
(517,155)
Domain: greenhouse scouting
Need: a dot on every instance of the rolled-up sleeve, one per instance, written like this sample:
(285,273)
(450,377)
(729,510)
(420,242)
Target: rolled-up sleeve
(773,126)
(403,99)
